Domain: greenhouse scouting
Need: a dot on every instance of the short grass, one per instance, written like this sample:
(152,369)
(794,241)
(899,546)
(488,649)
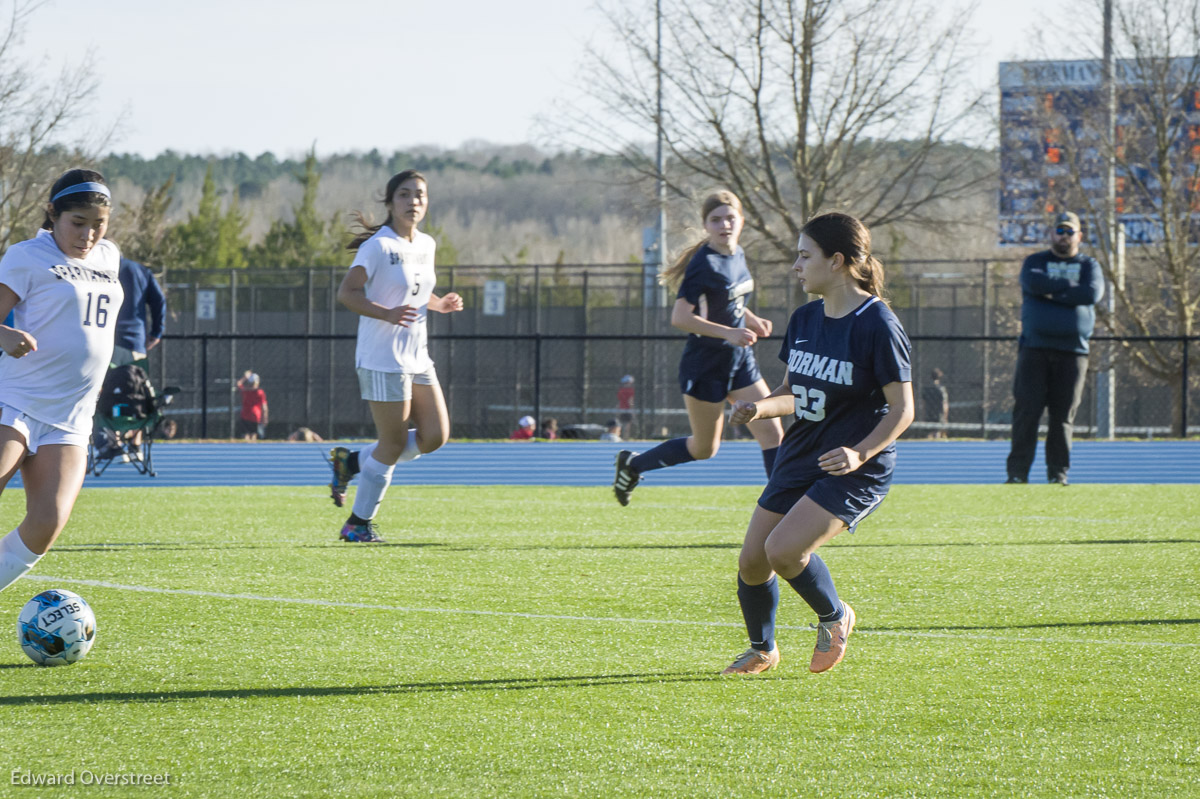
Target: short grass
(1013,641)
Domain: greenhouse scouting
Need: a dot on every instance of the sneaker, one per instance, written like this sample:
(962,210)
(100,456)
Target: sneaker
(114,454)
(1061,479)
(626,479)
(339,460)
(831,641)
(360,533)
(1016,480)
(754,661)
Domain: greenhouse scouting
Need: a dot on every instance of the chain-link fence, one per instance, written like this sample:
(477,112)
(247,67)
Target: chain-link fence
(555,341)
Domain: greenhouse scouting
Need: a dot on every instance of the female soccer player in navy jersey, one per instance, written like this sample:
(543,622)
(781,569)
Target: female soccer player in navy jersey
(849,382)
(718,362)
(390,286)
(63,287)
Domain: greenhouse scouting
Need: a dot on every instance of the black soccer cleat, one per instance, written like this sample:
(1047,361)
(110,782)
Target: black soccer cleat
(627,477)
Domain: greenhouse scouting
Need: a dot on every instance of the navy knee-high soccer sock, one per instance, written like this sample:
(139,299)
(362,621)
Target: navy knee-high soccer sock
(759,603)
(769,460)
(815,586)
(668,453)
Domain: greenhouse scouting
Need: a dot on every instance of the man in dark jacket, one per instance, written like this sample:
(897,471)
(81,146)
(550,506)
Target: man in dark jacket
(1060,289)
(134,338)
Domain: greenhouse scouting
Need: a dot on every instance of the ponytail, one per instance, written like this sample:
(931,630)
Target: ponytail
(837,232)
(672,276)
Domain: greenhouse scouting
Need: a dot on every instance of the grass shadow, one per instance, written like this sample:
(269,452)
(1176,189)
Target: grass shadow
(511,684)
(1043,626)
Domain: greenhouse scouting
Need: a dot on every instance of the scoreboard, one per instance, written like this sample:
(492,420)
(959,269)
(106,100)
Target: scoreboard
(1053,150)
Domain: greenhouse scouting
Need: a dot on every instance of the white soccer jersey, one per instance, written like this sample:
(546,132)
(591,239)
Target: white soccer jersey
(399,272)
(70,306)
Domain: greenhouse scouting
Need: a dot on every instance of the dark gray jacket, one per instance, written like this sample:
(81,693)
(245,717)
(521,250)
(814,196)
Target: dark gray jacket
(1058,311)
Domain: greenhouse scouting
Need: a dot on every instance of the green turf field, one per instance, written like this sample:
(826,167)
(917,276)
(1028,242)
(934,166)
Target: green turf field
(1013,641)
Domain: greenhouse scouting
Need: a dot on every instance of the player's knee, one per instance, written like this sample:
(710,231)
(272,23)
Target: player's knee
(754,567)
(784,557)
(703,450)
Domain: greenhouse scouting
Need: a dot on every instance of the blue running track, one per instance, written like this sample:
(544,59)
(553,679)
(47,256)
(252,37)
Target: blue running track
(591,464)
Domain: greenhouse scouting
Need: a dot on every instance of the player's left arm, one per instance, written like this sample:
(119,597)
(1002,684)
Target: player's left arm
(448,303)
(844,460)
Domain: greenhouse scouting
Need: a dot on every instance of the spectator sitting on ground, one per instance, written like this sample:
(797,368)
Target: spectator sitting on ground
(525,428)
(612,431)
(550,429)
(304,434)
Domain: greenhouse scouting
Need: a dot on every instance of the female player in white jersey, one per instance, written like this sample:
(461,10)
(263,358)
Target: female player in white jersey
(390,286)
(717,362)
(849,382)
(64,290)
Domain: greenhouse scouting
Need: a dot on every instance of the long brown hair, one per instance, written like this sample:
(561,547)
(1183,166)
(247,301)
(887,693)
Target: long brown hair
(673,275)
(367,229)
(837,232)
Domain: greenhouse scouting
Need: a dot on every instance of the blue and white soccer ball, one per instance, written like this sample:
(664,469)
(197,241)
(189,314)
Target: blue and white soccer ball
(56,627)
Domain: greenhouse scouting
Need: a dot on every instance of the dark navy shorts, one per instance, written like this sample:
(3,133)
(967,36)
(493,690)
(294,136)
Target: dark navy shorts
(710,373)
(849,497)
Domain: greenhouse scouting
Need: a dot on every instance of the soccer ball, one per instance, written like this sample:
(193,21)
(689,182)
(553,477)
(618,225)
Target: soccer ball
(56,627)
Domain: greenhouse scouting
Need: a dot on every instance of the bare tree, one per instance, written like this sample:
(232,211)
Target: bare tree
(41,130)
(1156,148)
(795,105)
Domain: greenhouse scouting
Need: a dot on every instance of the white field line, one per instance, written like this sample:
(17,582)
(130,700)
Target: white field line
(324,603)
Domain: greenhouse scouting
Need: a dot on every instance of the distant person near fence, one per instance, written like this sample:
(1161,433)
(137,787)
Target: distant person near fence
(625,399)
(1059,289)
(718,363)
(253,418)
(936,400)
(525,429)
(849,383)
(390,287)
(612,431)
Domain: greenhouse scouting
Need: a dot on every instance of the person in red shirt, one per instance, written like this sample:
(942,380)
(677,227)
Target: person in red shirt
(625,402)
(253,421)
(524,431)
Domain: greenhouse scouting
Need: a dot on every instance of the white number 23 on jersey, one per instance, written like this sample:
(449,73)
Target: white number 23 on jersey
(810,403)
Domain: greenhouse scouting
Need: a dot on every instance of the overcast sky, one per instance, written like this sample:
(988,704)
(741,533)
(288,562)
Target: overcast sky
(203,77)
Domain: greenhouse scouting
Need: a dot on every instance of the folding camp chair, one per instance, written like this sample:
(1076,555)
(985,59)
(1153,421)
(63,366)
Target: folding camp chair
(114,434)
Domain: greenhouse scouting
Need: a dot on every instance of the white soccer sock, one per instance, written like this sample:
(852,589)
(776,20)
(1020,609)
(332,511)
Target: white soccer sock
(411,452)
(373,480)
(15,559)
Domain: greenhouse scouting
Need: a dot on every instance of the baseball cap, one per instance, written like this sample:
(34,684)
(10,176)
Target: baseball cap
(526,421)
(627,379)
(1069,219)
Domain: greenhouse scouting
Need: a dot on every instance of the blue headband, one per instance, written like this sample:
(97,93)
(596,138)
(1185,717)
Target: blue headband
(99,188)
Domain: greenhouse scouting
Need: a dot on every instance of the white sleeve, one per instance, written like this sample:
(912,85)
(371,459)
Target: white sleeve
(369,256)
(15,272)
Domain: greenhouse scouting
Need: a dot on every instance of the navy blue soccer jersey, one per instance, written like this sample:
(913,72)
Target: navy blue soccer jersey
(837,369)
(718,285)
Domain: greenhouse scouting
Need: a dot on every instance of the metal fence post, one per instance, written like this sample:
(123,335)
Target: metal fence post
(204,386)
(985,398)
(1183,406)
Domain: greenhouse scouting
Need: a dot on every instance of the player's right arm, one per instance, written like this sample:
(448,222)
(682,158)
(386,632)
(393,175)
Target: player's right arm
(352,293)
(779,402)
(16,343)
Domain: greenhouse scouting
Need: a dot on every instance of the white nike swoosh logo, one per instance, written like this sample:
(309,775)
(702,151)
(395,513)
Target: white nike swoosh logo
(801,340)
